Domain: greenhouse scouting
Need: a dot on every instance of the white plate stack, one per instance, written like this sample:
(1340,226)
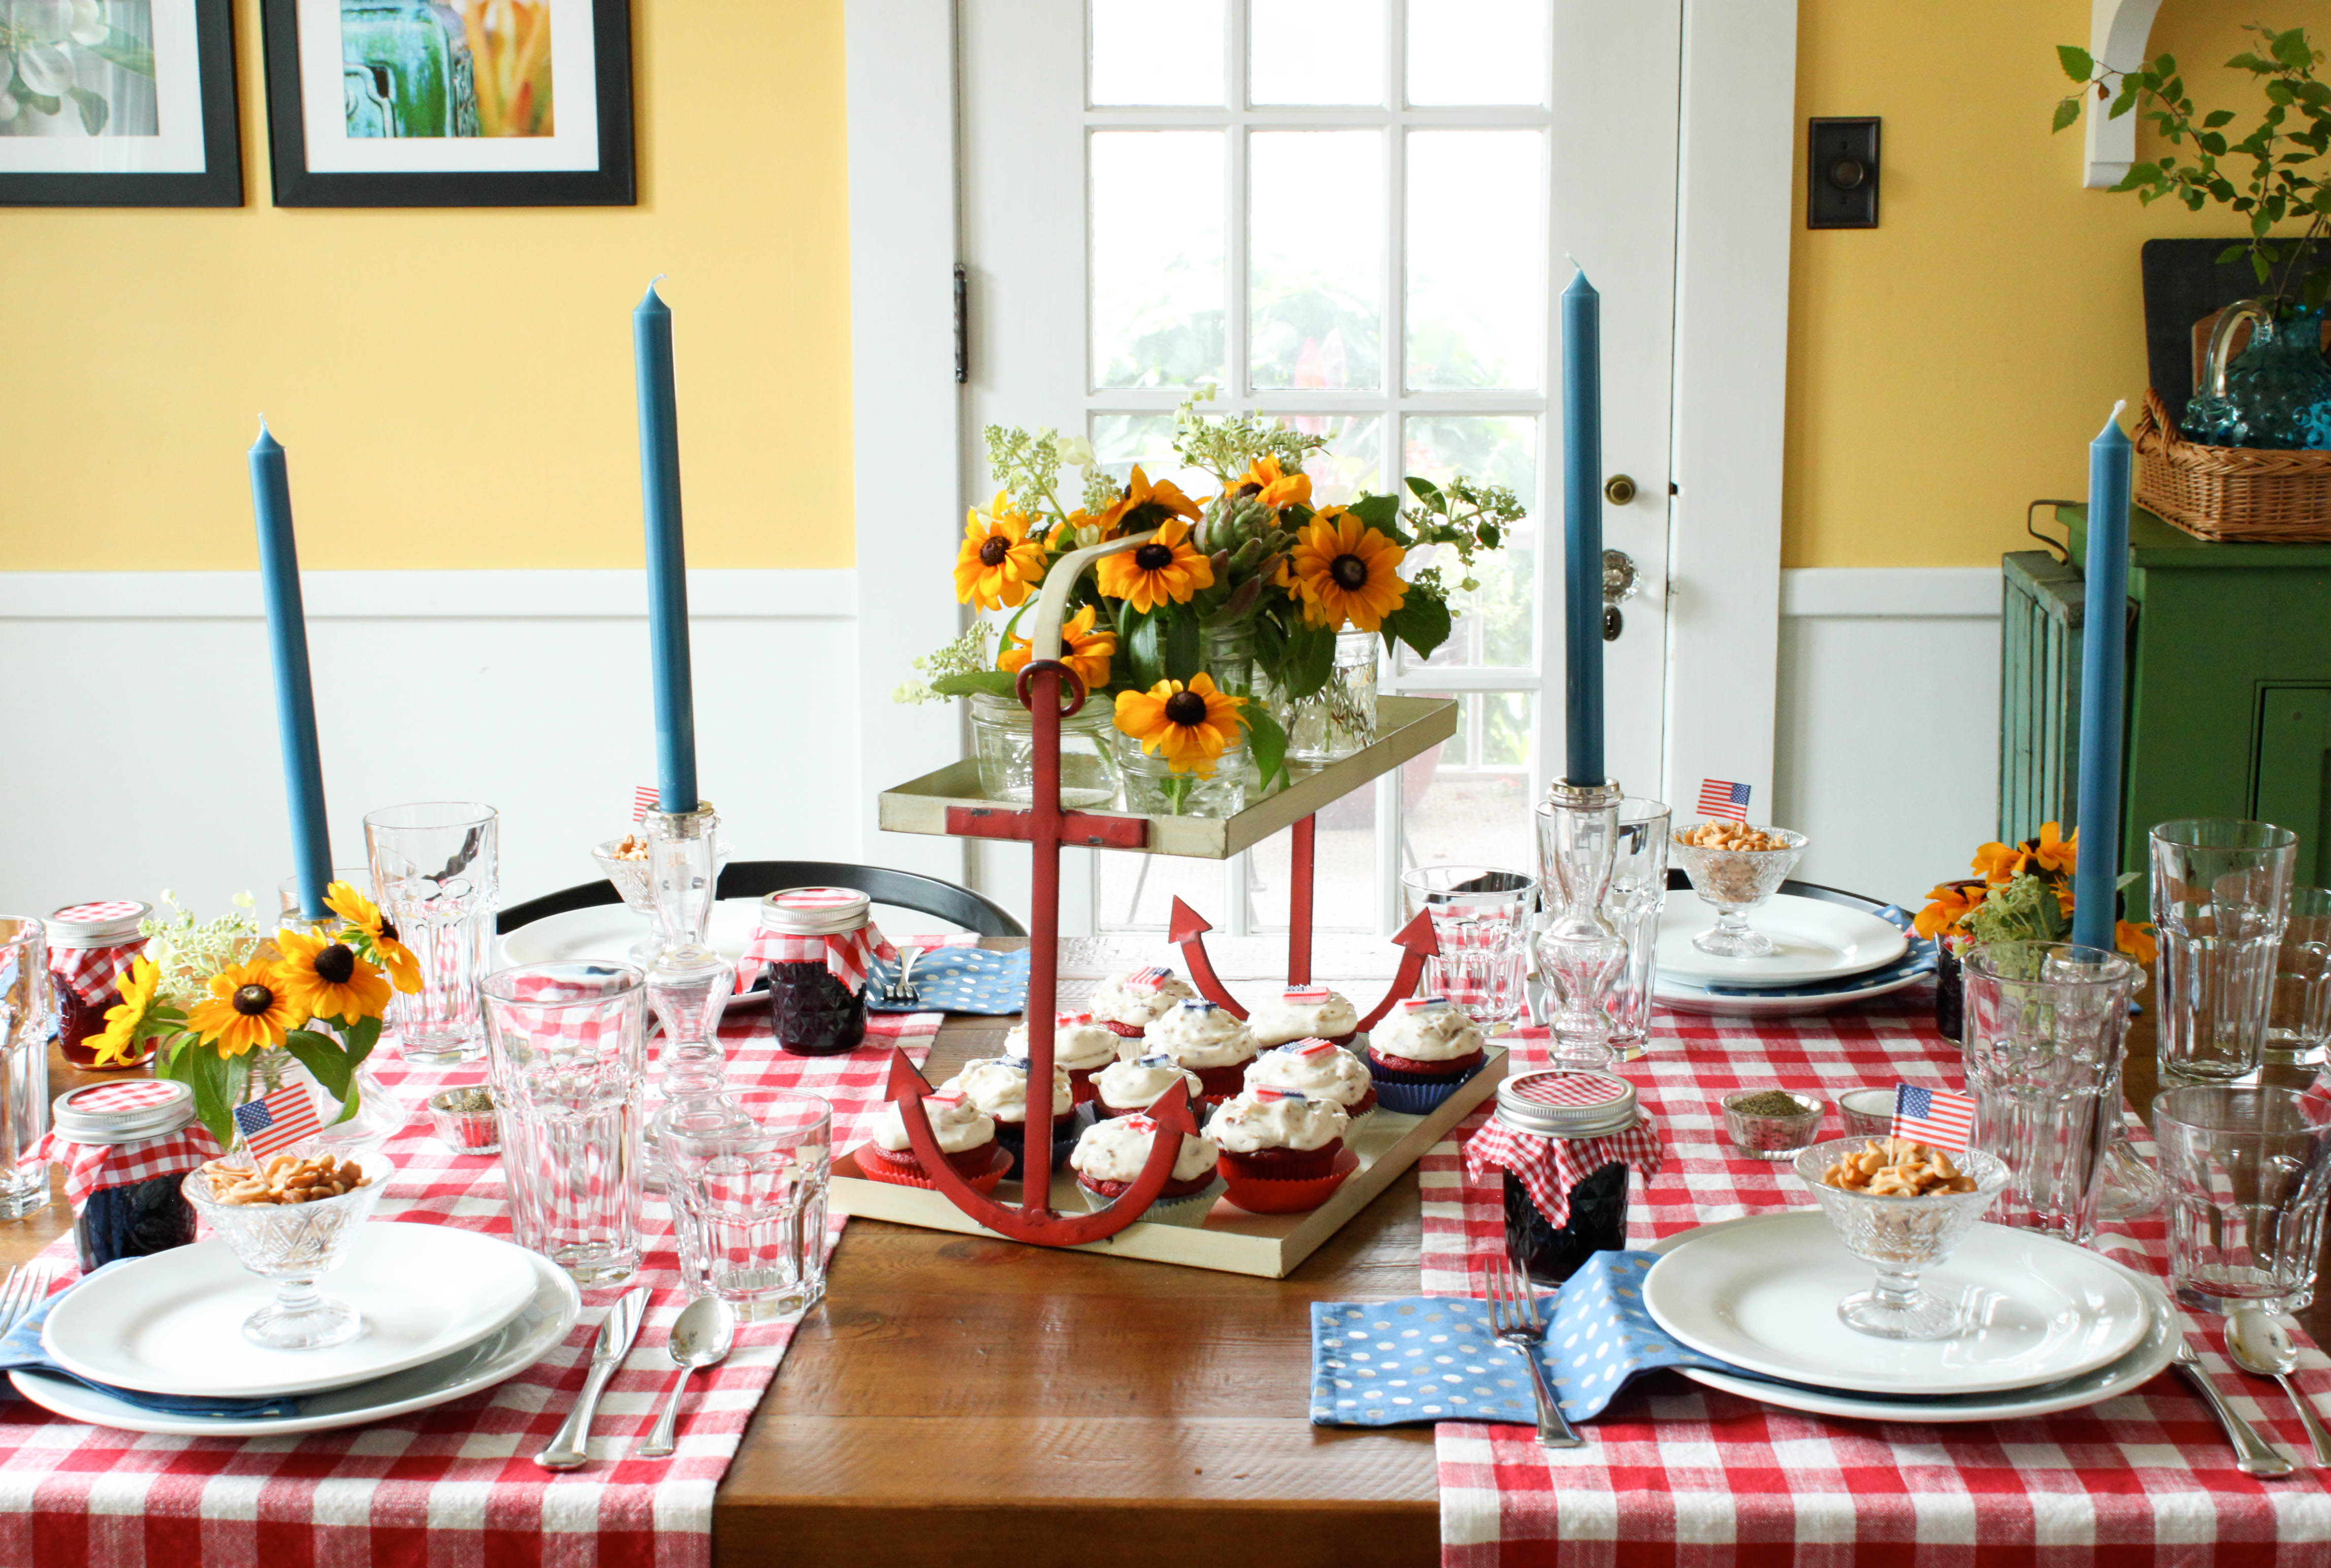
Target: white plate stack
(446,1312)
(1829,952)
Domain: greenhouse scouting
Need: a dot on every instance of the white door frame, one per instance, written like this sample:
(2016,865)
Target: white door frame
(1736,214)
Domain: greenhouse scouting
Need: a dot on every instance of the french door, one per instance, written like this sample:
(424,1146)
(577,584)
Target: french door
(1353,214)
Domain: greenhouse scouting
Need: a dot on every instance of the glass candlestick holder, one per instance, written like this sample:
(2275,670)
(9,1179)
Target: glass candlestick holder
(1579,955)
(688,983)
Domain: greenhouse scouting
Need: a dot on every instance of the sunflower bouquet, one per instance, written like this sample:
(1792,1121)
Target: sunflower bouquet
(214,992)
(2024,894)
(1261,558)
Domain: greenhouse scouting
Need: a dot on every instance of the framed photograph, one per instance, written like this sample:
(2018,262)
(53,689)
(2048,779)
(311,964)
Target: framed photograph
(449,103)
(118,103)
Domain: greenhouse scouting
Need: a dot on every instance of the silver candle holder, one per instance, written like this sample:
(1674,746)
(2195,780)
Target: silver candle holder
(1579,955)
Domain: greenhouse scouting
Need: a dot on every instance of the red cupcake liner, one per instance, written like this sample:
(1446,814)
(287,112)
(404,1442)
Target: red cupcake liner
(1363,1105)
(1219,1083)
(1265,1195)
(1408,1069)
(1165,1195)
(999,1160)
(971,1162)
(1080,1085)
(1284,1165)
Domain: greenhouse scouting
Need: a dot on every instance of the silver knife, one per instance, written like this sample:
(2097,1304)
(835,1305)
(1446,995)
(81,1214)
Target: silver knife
(614,1341)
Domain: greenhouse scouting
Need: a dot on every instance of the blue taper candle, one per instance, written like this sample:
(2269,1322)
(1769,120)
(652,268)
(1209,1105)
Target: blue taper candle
(2103,636)
(295,697)
(1582,529)
(667,556)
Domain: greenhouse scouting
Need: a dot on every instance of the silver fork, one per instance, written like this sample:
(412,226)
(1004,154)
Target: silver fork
(1512,1318)
(27,1286)
(903,989)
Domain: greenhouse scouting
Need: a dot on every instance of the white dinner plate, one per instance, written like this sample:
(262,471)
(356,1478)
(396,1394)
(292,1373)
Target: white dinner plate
(545,1320)
(1762,1294)
(607,933)
(172,1323)
(1781,1004)
(1815,940)
(2152,1356)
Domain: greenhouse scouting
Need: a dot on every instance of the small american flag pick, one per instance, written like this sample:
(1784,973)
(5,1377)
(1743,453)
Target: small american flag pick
(1266,1095)
(1070,1020)
(1312,1049)
(1723,798)
(1423,1003)
(1196,1004)
(1933,1116)
(1305,996)
(272,1124)
(1138,1123)
(643,801)
(951,1097)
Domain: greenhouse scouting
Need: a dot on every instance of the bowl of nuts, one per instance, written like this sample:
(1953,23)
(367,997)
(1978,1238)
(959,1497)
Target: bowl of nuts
(1736,867)
(1901,1208)
(291,1219)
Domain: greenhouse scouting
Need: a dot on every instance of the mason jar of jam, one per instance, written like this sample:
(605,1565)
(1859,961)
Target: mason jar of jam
(1575,1114)
(91,946)
(812,1010)
(127,1149)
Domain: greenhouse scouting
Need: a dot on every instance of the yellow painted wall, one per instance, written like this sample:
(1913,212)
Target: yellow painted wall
(1951,366)
(454,386)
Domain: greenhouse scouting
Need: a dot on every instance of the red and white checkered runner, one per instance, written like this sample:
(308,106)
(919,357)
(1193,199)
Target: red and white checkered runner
(1678,1474)
(454,1486)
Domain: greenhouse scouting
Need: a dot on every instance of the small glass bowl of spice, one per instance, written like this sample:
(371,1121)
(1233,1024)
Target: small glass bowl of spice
(464,1119)
(1867,1113)
(1771,1124)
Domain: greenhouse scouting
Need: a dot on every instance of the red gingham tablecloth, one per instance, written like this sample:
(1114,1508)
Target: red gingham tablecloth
(1677,1474)
(454,1486)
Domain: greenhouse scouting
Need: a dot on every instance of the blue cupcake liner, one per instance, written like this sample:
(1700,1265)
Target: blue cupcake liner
(1013,1136)
(1415,1096)
(1190,1211)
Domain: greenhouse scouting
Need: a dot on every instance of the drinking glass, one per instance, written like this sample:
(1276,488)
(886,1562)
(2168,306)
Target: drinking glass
(2221,894)
(27,1014)
(570,1043)
(2299,1021)
(2248,1170)
(748,1178)
(1639,892)
(436,869)
(1481,920)
(2042,1046)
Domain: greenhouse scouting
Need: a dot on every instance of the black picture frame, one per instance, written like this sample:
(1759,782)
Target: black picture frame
(614,182)
(220,182)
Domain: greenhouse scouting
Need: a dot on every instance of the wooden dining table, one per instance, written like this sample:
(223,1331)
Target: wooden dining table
(959,1402)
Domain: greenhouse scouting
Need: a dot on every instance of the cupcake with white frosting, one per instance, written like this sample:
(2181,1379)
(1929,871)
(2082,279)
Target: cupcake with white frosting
(1127,1003)
(998,1086)
(965,1135)
(1210,1041)
(1110,1156)
(1080,1045)
(1317,1069)
(1305,1012)
(1421,1052)
(1123,1088)
(1277,1135)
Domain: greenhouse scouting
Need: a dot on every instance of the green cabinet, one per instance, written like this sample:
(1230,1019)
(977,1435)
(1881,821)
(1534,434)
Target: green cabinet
(2229,687)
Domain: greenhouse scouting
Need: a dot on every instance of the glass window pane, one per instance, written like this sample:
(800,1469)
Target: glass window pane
(1314,263)
(1157,290)
(1506,730)
(1133,890)
(1121,440)
(1353,462)
(1468,814)
(1479,51)
(1476,259)
(1315,52)
(1497,621)
(1157,52)
(1343,871)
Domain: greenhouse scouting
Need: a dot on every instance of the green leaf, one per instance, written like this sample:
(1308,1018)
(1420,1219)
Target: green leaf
(993,682)
(1424,489)
(2078,63)
(2216,117)
(1311,659)
(1185,652)
(2067,112)
(217,1082)
(1422,621)
(2125,101)
(2234,252)
(2290,49)
(321,1055)
(124,50)
(93,108)
(1381,513)
(1266,743)
(1144,646)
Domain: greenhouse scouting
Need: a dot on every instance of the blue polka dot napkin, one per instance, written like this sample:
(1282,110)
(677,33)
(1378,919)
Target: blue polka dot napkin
(1431,1358)
(956,980)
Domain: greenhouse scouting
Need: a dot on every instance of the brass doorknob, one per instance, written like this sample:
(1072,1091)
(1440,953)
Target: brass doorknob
(1617,489)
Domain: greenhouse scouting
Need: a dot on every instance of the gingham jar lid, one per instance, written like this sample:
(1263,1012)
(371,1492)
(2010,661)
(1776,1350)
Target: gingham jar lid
(814,911)
(127,1112)
(105,924)
(1567,1105)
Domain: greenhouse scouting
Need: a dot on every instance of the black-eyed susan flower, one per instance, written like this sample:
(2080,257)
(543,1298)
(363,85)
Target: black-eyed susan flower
(1266,483)
(247,1007)
(1189,726)
(1084,651)
(1144,506)
(1948,904)
(322,977)
(375,936)
(118,1046)
(998,562)
(2137,941)
(1167,570)
(1347,574)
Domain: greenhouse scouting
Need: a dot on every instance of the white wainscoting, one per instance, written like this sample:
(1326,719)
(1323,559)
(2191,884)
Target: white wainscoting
(142,728)
(1887,751)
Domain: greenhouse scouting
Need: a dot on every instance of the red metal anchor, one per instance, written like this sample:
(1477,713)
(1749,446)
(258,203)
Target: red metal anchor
(1187,931)
(1420,944)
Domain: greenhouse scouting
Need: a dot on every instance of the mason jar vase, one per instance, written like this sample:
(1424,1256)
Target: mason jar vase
(1003,739)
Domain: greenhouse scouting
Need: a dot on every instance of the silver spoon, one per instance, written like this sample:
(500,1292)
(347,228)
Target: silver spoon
(2262,1346)
(701,1337)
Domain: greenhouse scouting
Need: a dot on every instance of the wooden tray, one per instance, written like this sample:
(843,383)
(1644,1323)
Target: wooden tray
(1232,1241)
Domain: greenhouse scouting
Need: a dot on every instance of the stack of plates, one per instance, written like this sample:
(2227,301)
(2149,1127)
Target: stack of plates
(2055,1327)
(446,1312)
(1831,949)
(608,932)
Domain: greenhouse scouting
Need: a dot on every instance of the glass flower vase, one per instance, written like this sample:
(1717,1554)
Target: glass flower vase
(1340,717)
(2276,393)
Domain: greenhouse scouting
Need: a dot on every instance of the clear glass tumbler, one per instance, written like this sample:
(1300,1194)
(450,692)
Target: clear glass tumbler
(436,869)
(749,1182)
(1639,892)
(2045,1022)
(2221,895)
(2298,1023)
(27,1014)
(569,1044)
(1003,739)
(1340,718)
(1481,917)
(2247,1171)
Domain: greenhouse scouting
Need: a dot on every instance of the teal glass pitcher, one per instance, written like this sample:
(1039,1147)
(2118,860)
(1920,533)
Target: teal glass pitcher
(2276,393)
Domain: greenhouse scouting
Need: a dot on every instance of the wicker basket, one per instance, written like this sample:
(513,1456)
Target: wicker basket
(2231,492)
